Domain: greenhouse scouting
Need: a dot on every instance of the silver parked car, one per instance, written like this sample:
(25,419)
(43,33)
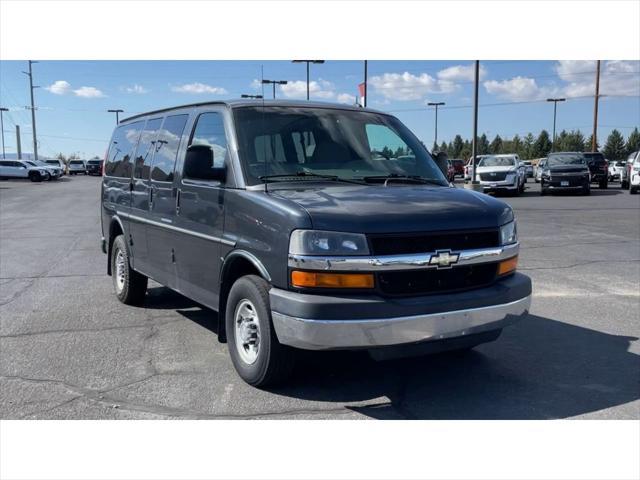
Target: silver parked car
(54,171)
(539,168)
(77,166)
(21,169)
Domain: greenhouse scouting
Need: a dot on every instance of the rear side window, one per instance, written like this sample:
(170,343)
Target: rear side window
(166,149)
(124,141)
(210,131)
(146,147)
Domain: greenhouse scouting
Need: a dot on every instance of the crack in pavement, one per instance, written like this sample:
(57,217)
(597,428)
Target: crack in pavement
(579,264)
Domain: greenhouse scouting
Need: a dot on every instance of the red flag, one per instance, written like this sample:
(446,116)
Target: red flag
(361,89)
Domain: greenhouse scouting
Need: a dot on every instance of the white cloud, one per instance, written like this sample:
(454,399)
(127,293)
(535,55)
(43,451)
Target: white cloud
(461,73)
(346,98)
(407,86)
(62,87)
(617,77)
(519,89)
(135,88)
(88,92)
(198,88)
(317,89)
(59,87)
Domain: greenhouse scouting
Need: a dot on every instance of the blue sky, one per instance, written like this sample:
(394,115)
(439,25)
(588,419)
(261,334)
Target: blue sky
(75,95)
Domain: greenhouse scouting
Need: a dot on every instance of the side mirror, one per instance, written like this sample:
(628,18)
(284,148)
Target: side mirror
(441,160)
(198,164)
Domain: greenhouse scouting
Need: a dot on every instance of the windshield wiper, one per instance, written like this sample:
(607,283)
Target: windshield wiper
(402,178)
(303,174)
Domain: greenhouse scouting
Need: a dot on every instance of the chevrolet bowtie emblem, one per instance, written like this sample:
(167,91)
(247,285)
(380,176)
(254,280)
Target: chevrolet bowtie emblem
(443,259)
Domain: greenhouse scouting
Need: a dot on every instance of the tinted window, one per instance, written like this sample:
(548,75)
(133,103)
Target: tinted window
(121,148)
(146,146)
(76,162)
(210,131)
(167,145)
(5,164)
(566,159)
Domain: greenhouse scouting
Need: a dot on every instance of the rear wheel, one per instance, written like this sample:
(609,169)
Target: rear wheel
(633,190)
(257,355)
(130,286)
(35,176)
(586,190)
(603,184)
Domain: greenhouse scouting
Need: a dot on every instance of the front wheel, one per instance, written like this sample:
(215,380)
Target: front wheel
(603,184)
(633,190)
(257,355)
(35,176)
(130,286)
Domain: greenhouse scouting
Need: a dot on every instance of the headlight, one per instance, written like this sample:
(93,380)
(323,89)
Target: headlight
(317,242)
(508,233)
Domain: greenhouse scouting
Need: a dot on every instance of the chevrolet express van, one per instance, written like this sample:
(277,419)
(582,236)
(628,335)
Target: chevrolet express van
(295,224)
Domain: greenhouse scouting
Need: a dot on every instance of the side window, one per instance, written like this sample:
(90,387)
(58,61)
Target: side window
(384,141)
(210,131)
(269,148)
(146,146)
(305,145)
(124,140)
(166,148)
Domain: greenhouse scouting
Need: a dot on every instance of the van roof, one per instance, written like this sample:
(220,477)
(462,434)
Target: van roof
(237,103)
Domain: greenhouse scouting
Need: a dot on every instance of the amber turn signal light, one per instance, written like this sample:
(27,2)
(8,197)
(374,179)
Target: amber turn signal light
(507,266)
(331,280)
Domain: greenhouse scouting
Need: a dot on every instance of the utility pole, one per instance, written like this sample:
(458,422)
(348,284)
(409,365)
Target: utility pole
(436,104)
(2,109)
(365,84)
(308,62)
(594,141)
(117,112)
(555,105)
(33,110)
(18,143)
(474,144)
(274,83)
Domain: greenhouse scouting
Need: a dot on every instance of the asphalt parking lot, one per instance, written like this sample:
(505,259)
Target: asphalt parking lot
(70,350)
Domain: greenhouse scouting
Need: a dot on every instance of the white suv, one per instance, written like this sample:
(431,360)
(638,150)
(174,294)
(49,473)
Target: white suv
(20,169)
(634,174)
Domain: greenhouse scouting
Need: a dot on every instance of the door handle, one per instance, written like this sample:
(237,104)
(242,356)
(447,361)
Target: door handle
(178,201)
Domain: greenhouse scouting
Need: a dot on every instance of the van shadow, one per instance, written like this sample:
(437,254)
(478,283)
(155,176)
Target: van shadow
(539,368)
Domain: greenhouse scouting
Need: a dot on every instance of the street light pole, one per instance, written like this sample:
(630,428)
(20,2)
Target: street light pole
(308,62)
(117,112)
(2,109)
(365,84)
(436,104)
(555,106)
(474,145)
(274,83)
(594,141)
(33,110)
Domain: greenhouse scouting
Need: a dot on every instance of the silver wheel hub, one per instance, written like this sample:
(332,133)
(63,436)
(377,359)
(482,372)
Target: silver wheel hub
(120,264)
(247,331)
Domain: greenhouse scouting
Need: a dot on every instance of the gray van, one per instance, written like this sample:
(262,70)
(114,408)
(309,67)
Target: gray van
(306,226)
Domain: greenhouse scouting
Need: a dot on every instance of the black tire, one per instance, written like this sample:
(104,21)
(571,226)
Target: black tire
(603,184)
(274,362)
(35,176)
(129,285)
(586,190)
(633,191)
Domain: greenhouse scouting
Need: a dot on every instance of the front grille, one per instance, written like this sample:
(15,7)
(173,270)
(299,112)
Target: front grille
(430,242)
(493,177)
(430,281)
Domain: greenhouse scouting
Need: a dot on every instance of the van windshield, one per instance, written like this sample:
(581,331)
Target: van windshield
(298,143)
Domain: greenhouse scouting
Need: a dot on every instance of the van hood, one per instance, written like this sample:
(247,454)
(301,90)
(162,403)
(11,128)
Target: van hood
(395,209)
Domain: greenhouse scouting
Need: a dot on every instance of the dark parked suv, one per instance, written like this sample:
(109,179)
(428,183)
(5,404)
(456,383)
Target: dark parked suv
(565,171)
(598,167)
(290,221)
(94,167)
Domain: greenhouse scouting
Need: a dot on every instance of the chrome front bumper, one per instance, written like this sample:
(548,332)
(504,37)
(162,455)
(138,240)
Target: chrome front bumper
(319,334)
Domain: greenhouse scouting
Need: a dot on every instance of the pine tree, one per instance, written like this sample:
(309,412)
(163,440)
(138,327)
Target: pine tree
(542,146)
(527,146)
(615,148)
(516,146)
(588,143)
(633,142)
(496,145)
(458,145)
(483,145)
(574,142)
(443,148)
